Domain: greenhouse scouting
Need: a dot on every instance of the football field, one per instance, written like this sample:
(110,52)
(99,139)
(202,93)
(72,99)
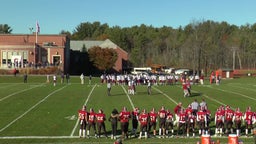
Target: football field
(38,112)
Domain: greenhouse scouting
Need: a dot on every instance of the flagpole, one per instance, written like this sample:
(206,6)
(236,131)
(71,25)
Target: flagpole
(36,30)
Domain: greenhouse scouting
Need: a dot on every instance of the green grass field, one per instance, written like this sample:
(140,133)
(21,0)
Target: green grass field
(38,112)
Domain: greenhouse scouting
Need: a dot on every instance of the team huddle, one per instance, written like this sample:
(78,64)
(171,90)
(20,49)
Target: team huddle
(188,121)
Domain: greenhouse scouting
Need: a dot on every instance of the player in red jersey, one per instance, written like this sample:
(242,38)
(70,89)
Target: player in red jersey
(143,119)
(229,113)
(189,109)
(152,121)
(191,119)
(92,122)
(124,117)
(185,89)
(176,112)
(135,114)
(182,122)
(201,120)
(237,119)
(82,114)
(219,121)
(162,119)
(169,123)
(100,118)
(248,118)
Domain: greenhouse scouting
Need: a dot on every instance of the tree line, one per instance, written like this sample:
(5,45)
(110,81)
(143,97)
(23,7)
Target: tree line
(199,45)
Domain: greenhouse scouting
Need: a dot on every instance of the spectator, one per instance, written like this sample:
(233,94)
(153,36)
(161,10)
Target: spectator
(82,78)
(109,87)
(67,78)
(25,77)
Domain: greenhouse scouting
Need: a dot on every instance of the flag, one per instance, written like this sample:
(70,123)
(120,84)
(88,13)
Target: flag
(37,27)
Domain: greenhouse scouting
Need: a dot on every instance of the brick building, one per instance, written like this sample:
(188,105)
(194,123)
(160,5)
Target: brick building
(122,60)
(20,50)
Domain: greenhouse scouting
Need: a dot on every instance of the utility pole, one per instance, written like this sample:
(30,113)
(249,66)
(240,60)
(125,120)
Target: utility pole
(234,57)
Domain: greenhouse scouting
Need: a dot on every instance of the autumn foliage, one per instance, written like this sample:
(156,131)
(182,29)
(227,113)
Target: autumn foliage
(102,58)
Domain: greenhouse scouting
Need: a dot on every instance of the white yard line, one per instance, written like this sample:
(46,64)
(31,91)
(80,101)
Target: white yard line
(6,86)
(166,95)
(212,99)
(31,108)
(85,103)
(250,89)
(128,97)
(18,92)
(246,96)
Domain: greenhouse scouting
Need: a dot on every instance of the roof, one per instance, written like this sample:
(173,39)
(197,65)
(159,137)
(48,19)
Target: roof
(108,44)
(78,45)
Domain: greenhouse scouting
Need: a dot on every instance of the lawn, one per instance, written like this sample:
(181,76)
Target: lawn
(38,112)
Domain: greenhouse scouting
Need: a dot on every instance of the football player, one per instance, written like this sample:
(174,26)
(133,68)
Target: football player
(100,118)
(91,122)
(237,119)
(169,123)
(82,114)
(219,121)
(124,117)
(201,120)
(152,121)
(162,119)
(191,119)
(143,119)
(229,113)
(182,122)
(248,118)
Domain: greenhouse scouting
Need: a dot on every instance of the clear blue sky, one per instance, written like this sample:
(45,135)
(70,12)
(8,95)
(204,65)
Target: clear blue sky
(56,15)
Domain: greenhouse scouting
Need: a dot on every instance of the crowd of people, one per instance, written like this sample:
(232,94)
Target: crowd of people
(193,120)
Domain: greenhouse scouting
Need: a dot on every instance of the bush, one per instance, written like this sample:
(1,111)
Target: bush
(41,71)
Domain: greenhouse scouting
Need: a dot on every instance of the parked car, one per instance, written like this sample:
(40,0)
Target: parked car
(183,71)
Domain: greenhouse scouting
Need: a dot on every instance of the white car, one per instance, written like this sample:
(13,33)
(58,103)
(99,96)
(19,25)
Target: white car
(181,71)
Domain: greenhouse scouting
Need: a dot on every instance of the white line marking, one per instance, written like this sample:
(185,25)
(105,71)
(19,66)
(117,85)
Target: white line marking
(166,95)
(234,93)
(85,103)
(31,109)
(18,93)
(128,97)
(6,86)
(212,99)
(242,88)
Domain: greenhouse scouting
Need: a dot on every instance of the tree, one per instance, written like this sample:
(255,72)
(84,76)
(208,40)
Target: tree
(66,33)
(5,29)
(102,58)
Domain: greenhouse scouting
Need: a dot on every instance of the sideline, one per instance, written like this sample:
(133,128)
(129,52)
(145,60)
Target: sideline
(31,108)
(85,103)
